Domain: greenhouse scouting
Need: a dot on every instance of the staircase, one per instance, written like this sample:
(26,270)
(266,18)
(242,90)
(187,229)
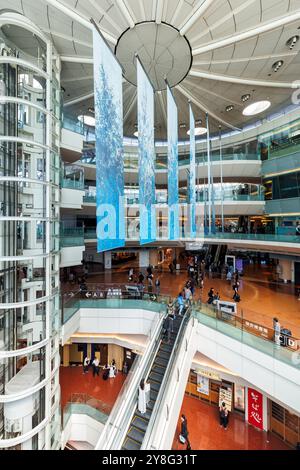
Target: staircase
(139,423)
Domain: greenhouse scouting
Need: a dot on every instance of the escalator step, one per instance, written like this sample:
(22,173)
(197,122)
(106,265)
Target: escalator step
(136,434)
(151,404)
(158,370)
(163,354)
(153,394)
(140,423)
(156,377)
(129,444)
(154,386)
(161,362)
(148,413)
(166,347)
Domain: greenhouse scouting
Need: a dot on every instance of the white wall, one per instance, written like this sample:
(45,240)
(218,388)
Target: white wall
(71,198)
(81,427)
(71,256)
(110,321)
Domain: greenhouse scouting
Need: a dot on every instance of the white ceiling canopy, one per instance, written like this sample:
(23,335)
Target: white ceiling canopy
(213,52)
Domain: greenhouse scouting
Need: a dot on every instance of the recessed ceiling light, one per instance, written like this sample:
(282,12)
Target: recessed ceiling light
(246,97)
(87,120)
(198,131)
(182,125)
(229,108)
(136,133)
(198,122)
(256,108)
(291,43)
(276,66)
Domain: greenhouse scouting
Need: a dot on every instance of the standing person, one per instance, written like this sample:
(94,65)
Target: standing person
(142,405)
(180,303)
(141,278)
(224,415)
(184,434)
(211,294)
(157,286)
(188,294)
(171,268)
(95,365)
(277,331)
(150,283)
(86,364)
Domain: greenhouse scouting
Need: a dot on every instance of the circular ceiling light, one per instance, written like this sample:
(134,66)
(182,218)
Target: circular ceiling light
(136,133)
(87,120)
(256,108)
(198,131)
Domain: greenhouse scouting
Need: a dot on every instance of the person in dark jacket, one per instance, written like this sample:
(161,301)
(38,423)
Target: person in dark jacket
(184,432)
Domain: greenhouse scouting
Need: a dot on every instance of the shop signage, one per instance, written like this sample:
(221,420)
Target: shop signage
(225,395)
(202,384)
(255,408)
(260,329)
(209,374)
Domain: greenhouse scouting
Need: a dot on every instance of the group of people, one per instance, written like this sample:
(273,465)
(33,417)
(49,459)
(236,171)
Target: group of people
(109,370)
(140,279)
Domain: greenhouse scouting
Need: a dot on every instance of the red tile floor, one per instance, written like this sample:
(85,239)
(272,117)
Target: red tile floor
(72,380)
(205,432)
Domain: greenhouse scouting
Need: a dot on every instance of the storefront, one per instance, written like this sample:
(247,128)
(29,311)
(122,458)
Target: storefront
(284,424)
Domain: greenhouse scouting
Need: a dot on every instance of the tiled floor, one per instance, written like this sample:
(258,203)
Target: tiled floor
(205,432)
(72,380)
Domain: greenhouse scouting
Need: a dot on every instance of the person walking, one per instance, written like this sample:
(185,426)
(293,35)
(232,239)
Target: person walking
(224,415)
(157,286)
(277,331)
(180,303)
(184,434)
(86,365)
(95,365)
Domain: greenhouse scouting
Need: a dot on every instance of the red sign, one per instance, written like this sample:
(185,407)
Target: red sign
(255,408)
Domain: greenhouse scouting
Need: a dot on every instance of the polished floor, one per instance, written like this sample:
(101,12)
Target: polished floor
(205,432)
(72,380)
(261,298)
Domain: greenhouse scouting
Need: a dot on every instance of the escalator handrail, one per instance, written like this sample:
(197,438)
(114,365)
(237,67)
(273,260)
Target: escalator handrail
(159,398)
(120,411)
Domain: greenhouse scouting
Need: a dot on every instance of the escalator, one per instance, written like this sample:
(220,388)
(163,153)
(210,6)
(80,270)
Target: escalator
(139,423)
(220,255)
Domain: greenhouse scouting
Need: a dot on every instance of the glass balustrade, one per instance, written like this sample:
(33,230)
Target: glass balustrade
(71,237)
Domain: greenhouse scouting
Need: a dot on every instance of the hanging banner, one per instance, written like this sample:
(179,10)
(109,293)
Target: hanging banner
(109,146)
(192,176)
(255,408)
(173,199)
(146,157)
(202,384)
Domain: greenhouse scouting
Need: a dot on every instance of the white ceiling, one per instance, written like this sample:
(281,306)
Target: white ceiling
(205,23)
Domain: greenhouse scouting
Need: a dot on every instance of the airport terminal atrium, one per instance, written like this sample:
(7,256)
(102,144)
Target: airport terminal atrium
(149,225)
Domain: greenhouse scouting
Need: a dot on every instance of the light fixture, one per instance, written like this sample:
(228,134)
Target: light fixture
(276,66)
(87,120)
(182,125)
(136,133)
(92,110)
(291,43)
(246,97)
(229,108)
(198,131)
(256,108)
(198,122)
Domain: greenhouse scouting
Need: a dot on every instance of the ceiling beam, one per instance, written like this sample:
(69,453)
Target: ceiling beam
(76,59)
(222,20)
(191,19)
(159,11)
(176,12)
(249,33)
(142,8)
(221,97)
(78,18)
(125,12)
(162,105)
(104,13)
(67,38)
(244,59)
(242,81)
(78,100)
(77,79)
(200,105)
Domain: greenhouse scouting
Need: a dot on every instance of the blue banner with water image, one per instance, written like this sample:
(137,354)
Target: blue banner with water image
(146,156)
(109,146)
(173,197)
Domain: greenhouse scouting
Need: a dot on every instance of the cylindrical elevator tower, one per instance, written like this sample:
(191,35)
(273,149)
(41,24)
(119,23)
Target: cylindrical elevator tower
(29,236)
